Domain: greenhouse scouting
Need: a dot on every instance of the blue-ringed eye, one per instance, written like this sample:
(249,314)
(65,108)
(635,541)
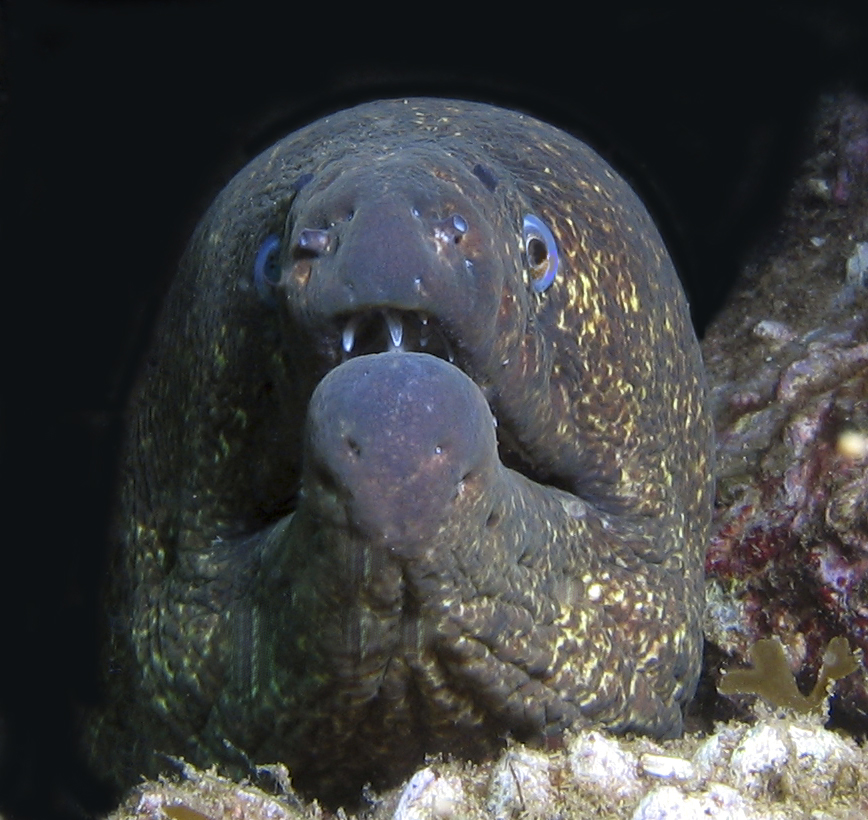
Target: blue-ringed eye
(541,251)
(266,270)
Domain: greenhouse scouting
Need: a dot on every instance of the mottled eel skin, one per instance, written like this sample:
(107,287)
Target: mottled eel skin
(339,550)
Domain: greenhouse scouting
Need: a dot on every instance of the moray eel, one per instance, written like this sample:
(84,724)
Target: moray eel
(419,460)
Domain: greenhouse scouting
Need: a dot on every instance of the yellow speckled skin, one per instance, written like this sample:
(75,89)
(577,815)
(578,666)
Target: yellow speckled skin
(255,621)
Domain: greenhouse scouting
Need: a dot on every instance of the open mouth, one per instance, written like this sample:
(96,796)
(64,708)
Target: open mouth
(386,329)
(383,330)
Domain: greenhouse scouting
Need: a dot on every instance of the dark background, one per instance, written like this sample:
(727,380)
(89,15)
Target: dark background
(119,122)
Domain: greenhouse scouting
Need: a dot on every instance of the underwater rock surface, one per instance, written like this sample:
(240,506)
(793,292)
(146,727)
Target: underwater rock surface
(787,362)
(778,769)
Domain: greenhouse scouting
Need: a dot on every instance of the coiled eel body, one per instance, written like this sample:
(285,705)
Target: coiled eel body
(419,460)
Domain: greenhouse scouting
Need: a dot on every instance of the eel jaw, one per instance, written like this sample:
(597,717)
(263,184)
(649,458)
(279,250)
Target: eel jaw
(382,330)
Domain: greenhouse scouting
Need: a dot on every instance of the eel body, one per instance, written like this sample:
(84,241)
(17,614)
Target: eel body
(418,461)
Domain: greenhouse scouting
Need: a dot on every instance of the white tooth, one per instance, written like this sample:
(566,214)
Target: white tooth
(396,330)
(349,336)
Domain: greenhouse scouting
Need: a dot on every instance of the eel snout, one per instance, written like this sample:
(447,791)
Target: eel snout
(394,442)
(376,245)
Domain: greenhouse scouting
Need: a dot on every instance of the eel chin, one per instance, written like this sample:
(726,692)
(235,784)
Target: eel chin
(394,442)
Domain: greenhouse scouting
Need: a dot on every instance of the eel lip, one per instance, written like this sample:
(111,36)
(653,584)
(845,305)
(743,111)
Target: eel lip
(380,330)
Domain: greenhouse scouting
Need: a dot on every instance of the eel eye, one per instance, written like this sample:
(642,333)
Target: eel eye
(541,251)
(266,270)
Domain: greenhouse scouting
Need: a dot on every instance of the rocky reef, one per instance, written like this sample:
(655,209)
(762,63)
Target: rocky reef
(781,768)
(788,367)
